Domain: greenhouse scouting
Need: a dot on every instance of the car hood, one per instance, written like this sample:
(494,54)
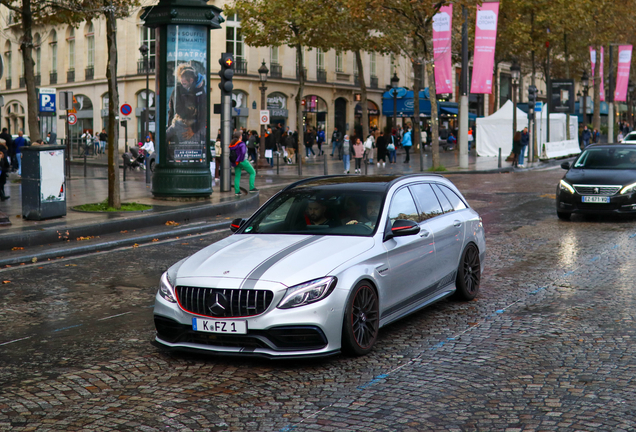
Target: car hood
(600,176)
(285,259)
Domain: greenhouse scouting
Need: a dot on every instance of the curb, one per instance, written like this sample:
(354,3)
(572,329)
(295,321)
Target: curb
(109,245)
(59,234)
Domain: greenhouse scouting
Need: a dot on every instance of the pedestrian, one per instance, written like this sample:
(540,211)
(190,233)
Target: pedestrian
(423,138)
(346,153)
(238,153)
(596,136)
(289,147)
(320,139)
(406,143)
(380,143)
(148,148)
(4,167)
(516,148)
(470,138)
(19,142)
(620,137)
(270,146)
(103,137)
(277,133)
(310,139)
(251,145)
(336,136)
(369,143)
(586,136)
(217,159)
(10,153)
(525,140)
(358,154)
(390,146)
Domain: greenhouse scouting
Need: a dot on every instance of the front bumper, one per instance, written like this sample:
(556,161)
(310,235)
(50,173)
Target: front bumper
(309,331)
(573,203)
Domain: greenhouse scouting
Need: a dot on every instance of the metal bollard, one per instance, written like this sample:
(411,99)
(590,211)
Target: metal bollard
(277,163)
(147,169)
(366,166)
(499,161)
(324,158)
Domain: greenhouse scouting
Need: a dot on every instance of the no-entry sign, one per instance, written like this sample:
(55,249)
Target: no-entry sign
(72,119)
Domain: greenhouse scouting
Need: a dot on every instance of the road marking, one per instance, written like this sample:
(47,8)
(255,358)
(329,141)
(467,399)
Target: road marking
(15,340)
(113,316)
(66,328)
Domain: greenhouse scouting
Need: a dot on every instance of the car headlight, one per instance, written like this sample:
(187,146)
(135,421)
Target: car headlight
(166,289)
(629,189)
(308,292)
(566,186)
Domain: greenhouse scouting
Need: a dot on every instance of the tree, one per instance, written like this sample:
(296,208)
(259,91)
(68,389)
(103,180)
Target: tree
(295,23)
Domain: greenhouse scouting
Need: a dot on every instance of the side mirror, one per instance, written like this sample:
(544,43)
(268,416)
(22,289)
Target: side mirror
(401,228)
(236,224)
(565,165)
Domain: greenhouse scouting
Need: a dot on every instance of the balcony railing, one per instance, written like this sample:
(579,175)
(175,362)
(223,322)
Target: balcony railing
(304,73)
(22,82)
(374,82)
(89,73)
(38,79)
(356,80)
(8,83)
(70,75)
(53,78)
(141,70)
(240,66)
(321,76)
(276,70)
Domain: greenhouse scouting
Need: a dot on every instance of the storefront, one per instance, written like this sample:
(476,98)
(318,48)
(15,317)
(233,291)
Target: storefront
(315,112)
(374,115)
(277,106)
(83,106)
(141,115)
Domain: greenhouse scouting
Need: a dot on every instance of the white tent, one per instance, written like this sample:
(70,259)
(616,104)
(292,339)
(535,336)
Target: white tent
(495,131)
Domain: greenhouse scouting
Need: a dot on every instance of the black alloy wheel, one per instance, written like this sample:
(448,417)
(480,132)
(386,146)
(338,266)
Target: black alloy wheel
(468,274)
(361,321)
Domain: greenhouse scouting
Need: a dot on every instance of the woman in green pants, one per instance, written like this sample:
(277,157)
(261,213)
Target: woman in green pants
(238,153)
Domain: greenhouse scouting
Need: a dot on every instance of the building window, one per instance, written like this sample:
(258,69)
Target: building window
(71,49)
(273,55)
(320,59)
(355,66)
(373,65)
(7,58)
(148,37)
(393,66)
(90,45)
(234,38)
(339,62)
(53,45)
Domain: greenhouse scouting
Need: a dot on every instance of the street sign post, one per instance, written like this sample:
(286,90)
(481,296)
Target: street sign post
(264,117)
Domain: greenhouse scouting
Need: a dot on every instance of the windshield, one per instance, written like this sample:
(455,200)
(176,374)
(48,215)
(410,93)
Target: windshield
(321,211)
(607,158)
(630,137)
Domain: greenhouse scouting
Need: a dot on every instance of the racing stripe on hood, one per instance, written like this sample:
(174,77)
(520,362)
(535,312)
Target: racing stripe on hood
(250,280)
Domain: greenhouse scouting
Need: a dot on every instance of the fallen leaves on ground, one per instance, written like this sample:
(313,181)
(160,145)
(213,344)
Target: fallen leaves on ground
(172,223)
(123,232)
(17,248)
(155,240)
(6,282)
(70,265)
(135,245)
(34,260)
(84,238)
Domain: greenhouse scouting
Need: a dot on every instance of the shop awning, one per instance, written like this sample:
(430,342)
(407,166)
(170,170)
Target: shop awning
(455,111)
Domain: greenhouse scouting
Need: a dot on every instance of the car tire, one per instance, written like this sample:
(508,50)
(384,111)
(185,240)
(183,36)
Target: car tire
(468,274)
(565,216)
(361,320)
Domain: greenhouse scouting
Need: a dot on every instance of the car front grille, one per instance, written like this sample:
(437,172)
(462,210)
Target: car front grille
(224,303)
(597,189)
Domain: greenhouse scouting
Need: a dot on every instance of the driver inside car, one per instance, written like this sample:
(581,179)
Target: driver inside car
(316,214)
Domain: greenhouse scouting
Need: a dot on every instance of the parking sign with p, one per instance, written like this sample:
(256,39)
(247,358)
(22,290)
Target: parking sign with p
(47,100)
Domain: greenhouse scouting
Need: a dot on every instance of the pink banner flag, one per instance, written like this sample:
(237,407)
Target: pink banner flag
(442,24)
(622,77)
(593,58)
(485,39)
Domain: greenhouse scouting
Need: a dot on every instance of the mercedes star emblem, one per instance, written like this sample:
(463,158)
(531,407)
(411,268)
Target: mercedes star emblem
(218,304)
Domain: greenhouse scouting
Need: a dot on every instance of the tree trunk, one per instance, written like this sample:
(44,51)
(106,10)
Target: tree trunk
(432,92)
(299,108)
(496,89)
(596,118)
(114,200)
(415,134)
(26,46)
(363,97)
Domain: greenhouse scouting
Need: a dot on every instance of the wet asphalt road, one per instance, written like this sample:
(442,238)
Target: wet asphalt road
(548,345)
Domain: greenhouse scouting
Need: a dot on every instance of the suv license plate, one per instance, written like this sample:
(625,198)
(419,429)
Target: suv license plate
(219,326)
(596,199)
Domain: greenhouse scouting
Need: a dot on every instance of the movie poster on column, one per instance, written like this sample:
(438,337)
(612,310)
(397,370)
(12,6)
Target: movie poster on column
(187,91)
(485,41)
(593,61)
(442,42)
(622,77)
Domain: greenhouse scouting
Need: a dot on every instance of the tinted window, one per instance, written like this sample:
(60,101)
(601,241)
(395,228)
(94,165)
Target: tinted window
(607,158)
(427,201)
(403,206)
(446,205)
(630,137)
(455,201)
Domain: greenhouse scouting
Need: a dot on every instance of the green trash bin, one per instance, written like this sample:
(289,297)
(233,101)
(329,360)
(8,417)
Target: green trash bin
(43,182)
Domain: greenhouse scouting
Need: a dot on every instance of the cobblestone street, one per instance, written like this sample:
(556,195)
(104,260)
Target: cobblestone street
(548,345)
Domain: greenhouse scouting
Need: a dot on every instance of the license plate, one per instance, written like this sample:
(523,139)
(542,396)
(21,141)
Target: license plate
(219,326)
(596,199)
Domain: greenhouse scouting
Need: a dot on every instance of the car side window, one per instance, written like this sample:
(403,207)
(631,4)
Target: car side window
(446,205)
(403,206)
(455,201)
(427,202)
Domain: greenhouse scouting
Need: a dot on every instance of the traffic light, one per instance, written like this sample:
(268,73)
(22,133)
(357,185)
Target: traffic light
(226,73)
(532,95)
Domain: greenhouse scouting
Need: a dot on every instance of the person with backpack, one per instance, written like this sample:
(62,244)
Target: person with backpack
(238,153)
(390,146)
(252,142)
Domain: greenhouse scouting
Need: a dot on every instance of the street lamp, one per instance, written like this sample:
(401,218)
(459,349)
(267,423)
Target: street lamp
(262,74)
(395,81)
(143,49)
(515,72)
(585,82)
